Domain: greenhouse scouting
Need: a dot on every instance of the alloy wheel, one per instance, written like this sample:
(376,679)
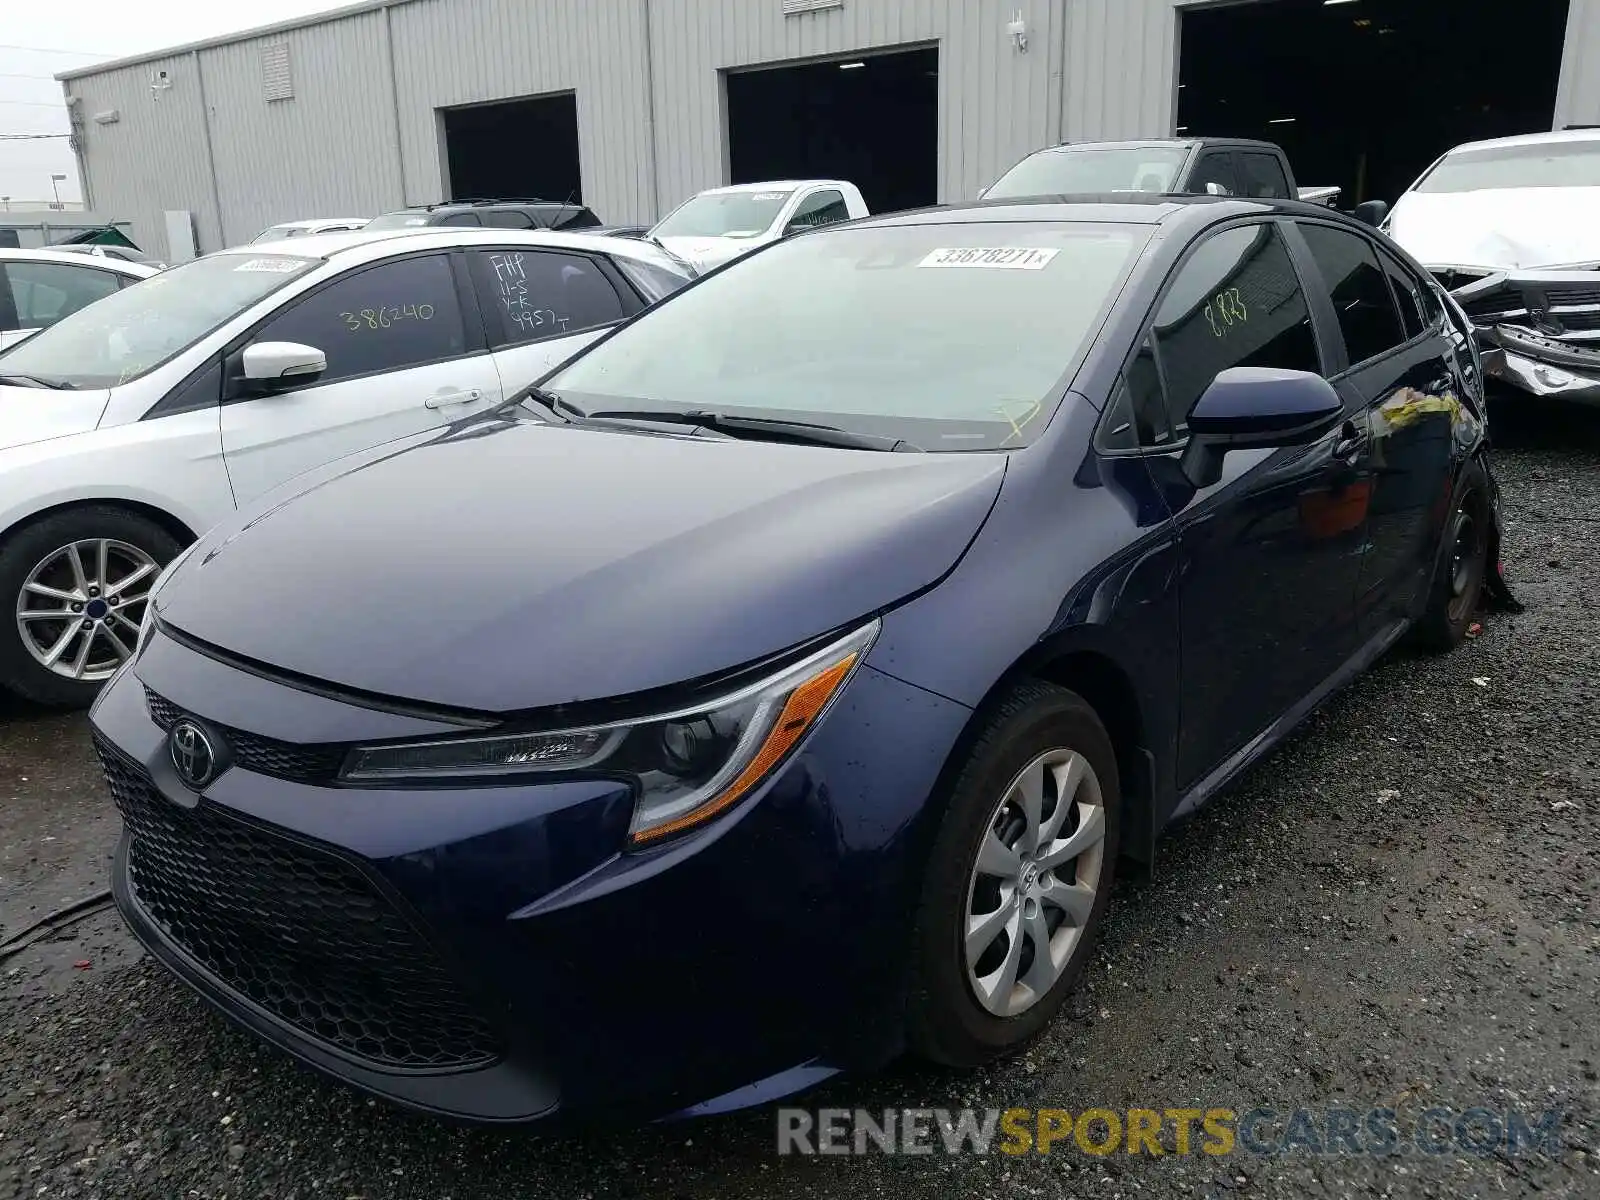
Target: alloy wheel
(80,608)
(1035,883)
(1468,541)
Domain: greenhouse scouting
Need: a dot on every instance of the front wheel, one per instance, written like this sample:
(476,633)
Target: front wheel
(1018,879)
(1457,586)
(75,585)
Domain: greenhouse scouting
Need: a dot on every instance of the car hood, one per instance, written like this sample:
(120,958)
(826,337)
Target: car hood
(29,414)
(1503,228)
(708,252)
(509,564)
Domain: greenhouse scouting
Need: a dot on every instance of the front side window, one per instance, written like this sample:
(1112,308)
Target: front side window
(534,294)
(388,317)
(1070,170)
(724,214)
(1539,165)
(1214,170)
(43,293)
(952,337)
(1263,177)
(1235,302)
(460,218)
(820,208)
(136,329)
(1349,267)
(507,218)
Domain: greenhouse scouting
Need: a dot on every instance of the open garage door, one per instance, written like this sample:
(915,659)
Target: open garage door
(523,148)
(1367,93)
(872,120)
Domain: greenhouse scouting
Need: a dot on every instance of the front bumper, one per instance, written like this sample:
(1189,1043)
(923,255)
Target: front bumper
(488,953)
(1540,330)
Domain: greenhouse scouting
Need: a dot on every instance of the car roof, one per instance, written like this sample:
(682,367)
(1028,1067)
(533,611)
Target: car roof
(380,243)
(1532,139)
(772,184)
(78,259)
(1126,208)
(313,222)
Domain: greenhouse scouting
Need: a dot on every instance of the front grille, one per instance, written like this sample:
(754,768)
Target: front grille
(263,755)
(301,933)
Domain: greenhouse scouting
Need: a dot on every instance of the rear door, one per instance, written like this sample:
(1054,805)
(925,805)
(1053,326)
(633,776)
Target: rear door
(1401,376)
(405,353)
(542,306)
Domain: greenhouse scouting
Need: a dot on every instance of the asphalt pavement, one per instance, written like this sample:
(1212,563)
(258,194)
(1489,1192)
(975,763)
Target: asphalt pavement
(1397,910)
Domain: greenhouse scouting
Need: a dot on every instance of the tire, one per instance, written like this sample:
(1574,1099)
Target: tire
(1458,583)
(948,1019)
(39,553)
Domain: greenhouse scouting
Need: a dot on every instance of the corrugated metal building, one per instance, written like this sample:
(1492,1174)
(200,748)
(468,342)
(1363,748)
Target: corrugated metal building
(348,112)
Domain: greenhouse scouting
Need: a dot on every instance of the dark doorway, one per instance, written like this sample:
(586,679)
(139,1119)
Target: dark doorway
(872,120)
(1377,89)
(521,148)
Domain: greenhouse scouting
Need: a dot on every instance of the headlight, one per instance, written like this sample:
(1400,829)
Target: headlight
(148,621)
(687,766)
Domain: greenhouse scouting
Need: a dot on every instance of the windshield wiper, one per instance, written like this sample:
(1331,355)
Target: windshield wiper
(772,428)
(58,385)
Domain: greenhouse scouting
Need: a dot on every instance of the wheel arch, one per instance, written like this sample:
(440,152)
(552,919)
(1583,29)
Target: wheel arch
(178,529)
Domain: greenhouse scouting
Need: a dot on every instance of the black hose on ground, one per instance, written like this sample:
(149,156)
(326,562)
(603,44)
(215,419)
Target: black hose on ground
(54,923)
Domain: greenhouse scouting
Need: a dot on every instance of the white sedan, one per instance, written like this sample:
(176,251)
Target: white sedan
(129,428)
(40,287)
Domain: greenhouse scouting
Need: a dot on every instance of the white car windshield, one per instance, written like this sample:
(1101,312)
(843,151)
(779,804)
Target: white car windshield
(723,214)
(1083,171)
(140,327)
(951,337)
(1540,165)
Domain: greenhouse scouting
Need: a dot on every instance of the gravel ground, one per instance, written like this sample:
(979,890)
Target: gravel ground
(1397,909)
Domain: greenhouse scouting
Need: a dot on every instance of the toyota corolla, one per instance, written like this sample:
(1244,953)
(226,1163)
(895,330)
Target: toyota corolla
(781,686)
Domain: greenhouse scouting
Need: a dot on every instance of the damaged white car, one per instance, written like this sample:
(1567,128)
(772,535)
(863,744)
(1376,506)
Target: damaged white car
(1513,228)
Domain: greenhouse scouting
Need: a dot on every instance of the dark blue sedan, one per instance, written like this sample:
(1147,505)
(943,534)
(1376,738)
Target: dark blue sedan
(781,686)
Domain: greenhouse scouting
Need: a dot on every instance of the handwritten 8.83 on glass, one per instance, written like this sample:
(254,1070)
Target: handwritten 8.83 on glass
(1226,311)
(385,318)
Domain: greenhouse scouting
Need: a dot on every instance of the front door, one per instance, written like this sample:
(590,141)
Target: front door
(1269,555)
(403,358)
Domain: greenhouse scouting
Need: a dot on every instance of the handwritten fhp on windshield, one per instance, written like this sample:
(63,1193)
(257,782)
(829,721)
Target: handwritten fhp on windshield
(997,258)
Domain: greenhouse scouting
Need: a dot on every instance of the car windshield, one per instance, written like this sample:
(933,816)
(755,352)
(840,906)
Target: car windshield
(137,329)
(404,219)
(724,214)
(1541,165)
(951,337)
(1081,171)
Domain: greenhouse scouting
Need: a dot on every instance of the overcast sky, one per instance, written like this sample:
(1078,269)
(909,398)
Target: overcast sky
(38,38)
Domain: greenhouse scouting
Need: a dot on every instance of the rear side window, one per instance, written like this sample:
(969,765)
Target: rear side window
(1263,177)
(460,218)
(1366,311)
(1235,302)
(1215,167)
(42,293)
(389,317)
(534,294)
(1408,295)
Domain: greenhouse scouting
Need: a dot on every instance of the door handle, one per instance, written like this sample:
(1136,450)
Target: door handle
(450,399)
(1351,444)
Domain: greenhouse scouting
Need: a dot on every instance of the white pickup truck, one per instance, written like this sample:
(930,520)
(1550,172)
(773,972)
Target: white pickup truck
(720,224)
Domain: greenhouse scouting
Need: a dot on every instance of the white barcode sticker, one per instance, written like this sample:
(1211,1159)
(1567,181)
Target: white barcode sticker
(998,258)
(275,266)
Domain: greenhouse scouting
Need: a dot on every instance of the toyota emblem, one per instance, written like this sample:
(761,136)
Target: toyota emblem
(192,754)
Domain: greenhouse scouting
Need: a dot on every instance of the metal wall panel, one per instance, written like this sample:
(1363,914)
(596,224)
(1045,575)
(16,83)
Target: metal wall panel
(453,52)
(995,103)
(328,151)
(1578,100)
(153,158)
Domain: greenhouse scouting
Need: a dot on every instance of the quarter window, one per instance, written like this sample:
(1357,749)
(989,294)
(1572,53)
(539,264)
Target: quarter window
(385,318)
(1236,302)
(534,294)
(43,293)
(1414,316)
(1360,292)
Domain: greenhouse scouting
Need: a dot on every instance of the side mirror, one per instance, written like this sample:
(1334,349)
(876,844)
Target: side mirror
(1371,212)
(1249,408)
(278,366)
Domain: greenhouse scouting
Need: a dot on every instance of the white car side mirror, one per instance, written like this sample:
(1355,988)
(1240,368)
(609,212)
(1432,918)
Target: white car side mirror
(274,365)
